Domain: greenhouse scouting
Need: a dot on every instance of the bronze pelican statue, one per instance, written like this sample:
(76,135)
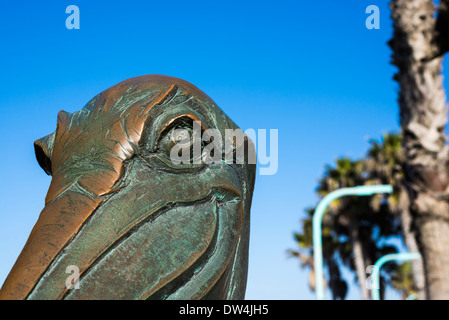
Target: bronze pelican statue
(135,224)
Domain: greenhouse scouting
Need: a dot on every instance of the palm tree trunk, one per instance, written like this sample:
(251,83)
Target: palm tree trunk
(423,111)
(411,243)
(359,260)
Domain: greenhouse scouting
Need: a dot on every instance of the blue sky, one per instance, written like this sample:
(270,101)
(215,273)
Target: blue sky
(310,69)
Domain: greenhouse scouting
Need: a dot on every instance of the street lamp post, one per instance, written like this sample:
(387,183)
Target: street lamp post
(318,217)
(375,288)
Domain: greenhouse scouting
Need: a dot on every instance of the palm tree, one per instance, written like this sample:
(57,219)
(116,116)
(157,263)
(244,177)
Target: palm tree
(418,44)
(354,229)
(304,240)
(402,279)
(346,174)
(385,161)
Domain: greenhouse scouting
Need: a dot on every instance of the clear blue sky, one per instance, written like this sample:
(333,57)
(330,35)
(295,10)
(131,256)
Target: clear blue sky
(310,69)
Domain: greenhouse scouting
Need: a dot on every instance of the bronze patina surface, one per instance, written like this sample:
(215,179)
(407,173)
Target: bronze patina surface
(135,224)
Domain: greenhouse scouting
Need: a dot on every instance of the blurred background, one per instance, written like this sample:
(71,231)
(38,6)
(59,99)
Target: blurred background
(310,69)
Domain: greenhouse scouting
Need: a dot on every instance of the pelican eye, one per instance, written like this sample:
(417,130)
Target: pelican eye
(182,139)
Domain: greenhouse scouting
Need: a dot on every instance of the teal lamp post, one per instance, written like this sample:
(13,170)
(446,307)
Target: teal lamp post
(318,217)
(379,263)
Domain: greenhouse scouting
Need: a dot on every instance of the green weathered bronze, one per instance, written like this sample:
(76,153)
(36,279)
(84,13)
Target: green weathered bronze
(136,225)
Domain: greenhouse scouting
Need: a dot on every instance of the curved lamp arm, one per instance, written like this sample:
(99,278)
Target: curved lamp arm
(318,217)
(375,288)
